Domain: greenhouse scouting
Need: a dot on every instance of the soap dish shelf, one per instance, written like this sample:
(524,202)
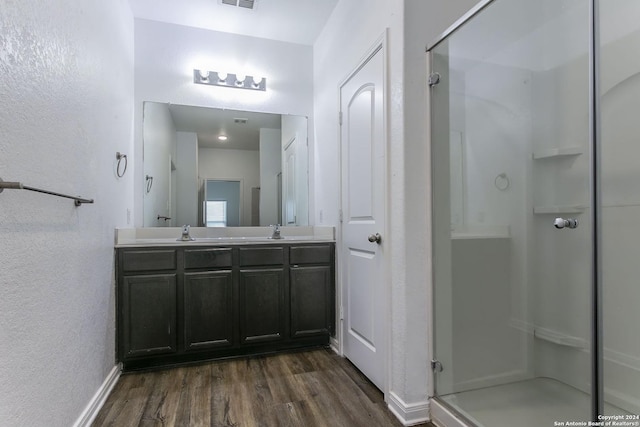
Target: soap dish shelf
(559,209)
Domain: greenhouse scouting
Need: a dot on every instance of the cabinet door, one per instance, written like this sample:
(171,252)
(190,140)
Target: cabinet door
(148,315)
(261,305)
(208,310)
(311,301)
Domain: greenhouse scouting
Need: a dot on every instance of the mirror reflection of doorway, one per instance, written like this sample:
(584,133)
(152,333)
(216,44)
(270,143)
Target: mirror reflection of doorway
(221,205)
(255,206)
(279,190)
(290,183)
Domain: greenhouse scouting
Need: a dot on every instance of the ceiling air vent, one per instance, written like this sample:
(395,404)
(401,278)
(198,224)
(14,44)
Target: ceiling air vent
(247,4)
(240,120)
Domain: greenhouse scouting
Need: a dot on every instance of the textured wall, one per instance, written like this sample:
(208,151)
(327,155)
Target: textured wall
(66,87)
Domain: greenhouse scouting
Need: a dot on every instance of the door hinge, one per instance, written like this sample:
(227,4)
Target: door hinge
(340,215)
(341,313)
(434,79)
(436,366)
(340,117)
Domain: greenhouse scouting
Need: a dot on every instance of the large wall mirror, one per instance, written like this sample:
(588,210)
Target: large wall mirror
(211,167)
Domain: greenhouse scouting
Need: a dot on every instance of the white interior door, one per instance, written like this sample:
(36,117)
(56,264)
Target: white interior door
(290,206)
(364,301)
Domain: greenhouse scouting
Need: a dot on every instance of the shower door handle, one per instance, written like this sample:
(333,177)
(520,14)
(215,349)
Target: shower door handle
(561,223)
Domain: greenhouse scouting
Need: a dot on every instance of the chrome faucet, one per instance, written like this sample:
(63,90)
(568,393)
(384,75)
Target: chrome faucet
(185,234)
(276,232)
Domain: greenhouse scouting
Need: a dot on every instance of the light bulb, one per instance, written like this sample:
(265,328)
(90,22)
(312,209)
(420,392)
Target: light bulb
(222,76)
(204,75)
(257,81)
(240,79)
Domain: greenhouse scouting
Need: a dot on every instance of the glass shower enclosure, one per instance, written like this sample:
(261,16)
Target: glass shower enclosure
(535,157)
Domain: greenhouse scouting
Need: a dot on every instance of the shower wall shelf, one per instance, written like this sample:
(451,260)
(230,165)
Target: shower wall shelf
(547,153)
(559,209)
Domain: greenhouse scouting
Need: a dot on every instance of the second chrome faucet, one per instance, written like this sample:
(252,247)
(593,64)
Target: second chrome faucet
(276,232)
(185,234)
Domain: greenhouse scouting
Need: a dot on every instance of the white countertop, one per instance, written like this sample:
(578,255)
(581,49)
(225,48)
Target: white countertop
(170,236)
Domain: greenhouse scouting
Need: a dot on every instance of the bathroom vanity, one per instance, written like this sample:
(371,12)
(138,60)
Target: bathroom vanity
(180,302)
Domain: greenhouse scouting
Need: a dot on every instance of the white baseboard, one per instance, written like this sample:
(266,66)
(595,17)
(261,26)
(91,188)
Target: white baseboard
(334,344)
(95,404)
(409,414)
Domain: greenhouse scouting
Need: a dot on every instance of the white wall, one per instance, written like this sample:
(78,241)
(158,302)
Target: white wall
(66,84)
(241,165)
(270,167)
(187,185)
(424,22)
(165,56)
(160,136)
(337,51)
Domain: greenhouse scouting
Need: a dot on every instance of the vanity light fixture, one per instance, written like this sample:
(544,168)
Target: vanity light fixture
(218,78)
(222,137)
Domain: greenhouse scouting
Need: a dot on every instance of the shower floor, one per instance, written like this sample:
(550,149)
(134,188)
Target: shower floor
(538,402)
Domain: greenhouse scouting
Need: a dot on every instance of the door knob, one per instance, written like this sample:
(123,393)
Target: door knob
(561,223)
(375,238)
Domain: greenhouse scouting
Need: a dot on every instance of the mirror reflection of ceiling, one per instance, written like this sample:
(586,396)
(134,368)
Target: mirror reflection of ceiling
(242,128)
(298,21)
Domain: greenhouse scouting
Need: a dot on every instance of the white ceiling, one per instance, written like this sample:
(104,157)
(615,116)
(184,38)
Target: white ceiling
(294,21)
(209,123)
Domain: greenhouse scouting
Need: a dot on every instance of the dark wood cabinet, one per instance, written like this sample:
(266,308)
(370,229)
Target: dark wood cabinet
(261,305)
(208,310)
(184,304)
(312,298)
(149,315)
(311,301)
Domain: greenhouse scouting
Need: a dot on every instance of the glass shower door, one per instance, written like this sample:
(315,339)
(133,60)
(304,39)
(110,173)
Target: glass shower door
(512,238)
(619,42)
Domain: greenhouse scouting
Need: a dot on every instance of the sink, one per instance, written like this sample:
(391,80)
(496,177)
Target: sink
(252,239)
(218,239)
(231,236)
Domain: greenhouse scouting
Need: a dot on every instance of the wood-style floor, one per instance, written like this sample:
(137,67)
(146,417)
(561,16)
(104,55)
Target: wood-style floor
(306,388)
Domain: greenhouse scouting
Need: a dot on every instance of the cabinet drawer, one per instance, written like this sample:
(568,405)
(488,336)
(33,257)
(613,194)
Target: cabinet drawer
(207,258)
(148,260)
(316,254)
(261,256)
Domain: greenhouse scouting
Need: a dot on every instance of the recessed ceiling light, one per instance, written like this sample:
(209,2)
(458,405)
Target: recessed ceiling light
(222,137)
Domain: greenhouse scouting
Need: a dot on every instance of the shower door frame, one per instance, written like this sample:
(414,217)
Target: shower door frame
(597,348)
